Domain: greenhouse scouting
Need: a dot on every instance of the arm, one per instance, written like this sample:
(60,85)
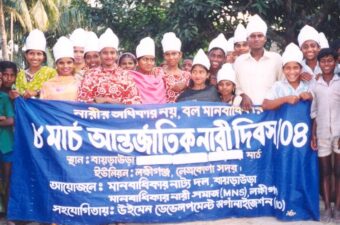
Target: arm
(246,102)
(276,103)
(9,121)
(314,141)
(306,96)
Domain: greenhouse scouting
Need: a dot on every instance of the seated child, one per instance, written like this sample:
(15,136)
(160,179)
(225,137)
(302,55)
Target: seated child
(292,89)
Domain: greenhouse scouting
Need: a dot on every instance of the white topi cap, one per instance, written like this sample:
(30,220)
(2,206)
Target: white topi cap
(226,73)
(108,40)
(145,47)
(92,44)
(201,59)
(323,40)
(292,53)
(63,49)
(78,37)
(35,41)
(219,42)
(230,45)
(256,24)
(240,34)
(171,43)
(308,33)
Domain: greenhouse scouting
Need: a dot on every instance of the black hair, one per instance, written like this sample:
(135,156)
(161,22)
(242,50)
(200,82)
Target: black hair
(44,53)
(8,65)
(127,55)
(327,52)
(207,81)
(217,48)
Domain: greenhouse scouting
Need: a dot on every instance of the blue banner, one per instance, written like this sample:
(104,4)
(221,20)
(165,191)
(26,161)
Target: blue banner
(77,163)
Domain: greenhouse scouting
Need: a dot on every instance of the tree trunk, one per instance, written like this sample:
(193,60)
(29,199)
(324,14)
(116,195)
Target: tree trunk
(3,32)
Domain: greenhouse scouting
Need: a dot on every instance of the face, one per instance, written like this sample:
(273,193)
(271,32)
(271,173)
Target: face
(78,55)
(8,77)
(146,64)
(187,65)
(241,48)
(230,57)
(172,58)
(127,64)
(217,58)
(327,64)
(225,87)
(292,71)
(310,49)
(108,56)
(256,40)
(199,75)
(34,58)
(65,66)
(92,59)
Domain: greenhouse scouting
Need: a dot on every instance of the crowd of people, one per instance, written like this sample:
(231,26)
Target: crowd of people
(238,71)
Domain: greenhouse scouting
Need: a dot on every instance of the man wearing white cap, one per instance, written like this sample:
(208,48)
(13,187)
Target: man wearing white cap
(240,40)
(64,86)
(217,54)
(176,80)
(149,79)
(78,38)
(309,43)
(292,89)
(259,69)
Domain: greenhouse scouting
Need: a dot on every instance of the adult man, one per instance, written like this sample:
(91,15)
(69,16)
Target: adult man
(257,70)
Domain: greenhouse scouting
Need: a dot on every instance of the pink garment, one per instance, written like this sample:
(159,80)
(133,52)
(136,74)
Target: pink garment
(151,87)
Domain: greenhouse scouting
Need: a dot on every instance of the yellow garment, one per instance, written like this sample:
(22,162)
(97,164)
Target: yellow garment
(41,76)
(63,88)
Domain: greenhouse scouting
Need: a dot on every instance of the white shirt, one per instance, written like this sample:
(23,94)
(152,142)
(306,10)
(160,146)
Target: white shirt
(326,107)
(282,88)
(307,69)
(255,78)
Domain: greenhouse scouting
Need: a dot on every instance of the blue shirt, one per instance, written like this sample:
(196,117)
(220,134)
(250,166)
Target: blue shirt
(283,88)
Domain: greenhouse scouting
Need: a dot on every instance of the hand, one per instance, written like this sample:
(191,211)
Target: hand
(306,96)
(246,102)
(314,143)
(318,76)
(292,99)
(306,76)
(13,94)
(105,100)
(179,86)
(2,118)
(30,94)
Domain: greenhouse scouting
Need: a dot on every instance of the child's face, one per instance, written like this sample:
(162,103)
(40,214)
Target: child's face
(292,71)
(187,64)
(217,58)
(199,75)
(327,64)
(146,64)
(310,49)
(65,66)
(127,64)
(108,56)
(8,77)
(225,87)
(92,59)
(78,53)
(172,58)
(35,58)
(241,48)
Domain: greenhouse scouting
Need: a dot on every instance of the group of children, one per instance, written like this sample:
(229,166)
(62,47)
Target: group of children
(88,69)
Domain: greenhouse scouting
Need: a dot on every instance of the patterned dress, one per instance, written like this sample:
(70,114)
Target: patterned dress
(171,80)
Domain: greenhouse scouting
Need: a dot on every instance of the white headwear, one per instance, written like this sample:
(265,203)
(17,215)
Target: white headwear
(92,44)
(292,53)
(171,43)
(219,42)
(35,41)
(108,40)
(145,47)
(63,49)
(240,33)
(308,33)
(226,73)
(230,45)
(78,37)
(256,24)
(201,59)
(323,40)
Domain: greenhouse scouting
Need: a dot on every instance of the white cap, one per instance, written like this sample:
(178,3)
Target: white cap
(35,41)
(171,43)
(63,49)
(292,53)
(78,37)
(226,73)
(240,34)
(308,33)
(108,40)
(219,42)
(323,40)
(145,47)
(201,59)
(230,45)
(256,24)
(92,44)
